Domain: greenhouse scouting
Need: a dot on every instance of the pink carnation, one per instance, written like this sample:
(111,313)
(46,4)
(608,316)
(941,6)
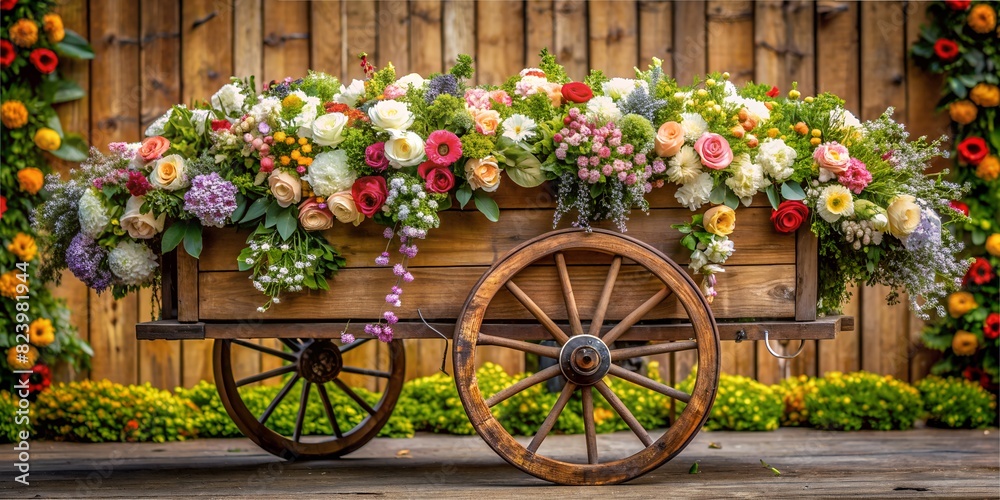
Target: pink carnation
(394,91)
(477,99)
(856,176)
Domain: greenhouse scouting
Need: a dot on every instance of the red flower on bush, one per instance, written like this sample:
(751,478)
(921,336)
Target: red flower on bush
(958,4)
(44,59)
(369,194)
(980,273)
(972,150)
(438,179)
(577,92)
(41,378)
(7,4)
(991,327)
(789,216)
(3,205)
(773,92)
(218,125)
(946,50)
(137,183)
(960,206)
(7,53)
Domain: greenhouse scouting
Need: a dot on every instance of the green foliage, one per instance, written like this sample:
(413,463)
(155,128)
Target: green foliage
(475,145)
(554,72)
(638,131)
(9,427)
(956,403)
(320,85)
(862,400)
(463,69)
(742,404)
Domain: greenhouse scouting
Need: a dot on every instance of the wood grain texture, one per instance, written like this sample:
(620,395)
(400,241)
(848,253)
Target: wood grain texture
(690,41)
(499,45)
(539,27)
(783,39)
(730,39)
(207,47)
(362,28)
(614,37)
(393,22)
(426,36)
(570,30)
(286,40)
(656,33)
(248,36)
(459,30)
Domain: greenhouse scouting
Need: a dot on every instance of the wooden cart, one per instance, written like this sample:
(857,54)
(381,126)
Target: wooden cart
(602,296)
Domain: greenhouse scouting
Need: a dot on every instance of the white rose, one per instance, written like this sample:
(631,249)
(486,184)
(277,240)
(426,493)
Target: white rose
(229,100)
(694,126)
(391,115)
(328,130)
(350,95)
(777,159)
(140,226)
(330,173)
(620,88)
(845,119)
(404,149)
(169,173)
(411,80)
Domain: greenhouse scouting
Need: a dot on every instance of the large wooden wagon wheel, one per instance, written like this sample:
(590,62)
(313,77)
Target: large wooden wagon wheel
(587,357)
(316,365)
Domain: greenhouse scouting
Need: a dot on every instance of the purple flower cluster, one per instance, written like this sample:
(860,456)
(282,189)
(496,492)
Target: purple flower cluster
(441,84)
(600,153)
(856,177)
(84,257)
(383,332)
(211,198)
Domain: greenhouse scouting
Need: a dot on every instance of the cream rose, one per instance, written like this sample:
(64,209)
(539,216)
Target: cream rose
(904,216)
(669,139)
(169,173)
(344,209)
(487,121)
(404,149)
(391,115)
(285,187)
(483,173)
(314,216)
(328,130)
(140,226)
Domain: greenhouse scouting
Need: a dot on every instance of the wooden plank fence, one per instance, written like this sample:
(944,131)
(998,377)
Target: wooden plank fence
(153,53)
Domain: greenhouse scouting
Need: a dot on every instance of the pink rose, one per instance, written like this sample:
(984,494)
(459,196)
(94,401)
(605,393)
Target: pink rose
(714,151)
(832,159)
(502,97)
(669,139)
(153,147)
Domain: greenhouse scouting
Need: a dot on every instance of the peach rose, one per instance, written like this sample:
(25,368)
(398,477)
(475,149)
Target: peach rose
(832,159)
(554,91)
(140,226)
(314,216)
(169,173)
(483,173)
(344,209)
(153,147)
(720,220)
(285,187)
(487,121)
(669,139)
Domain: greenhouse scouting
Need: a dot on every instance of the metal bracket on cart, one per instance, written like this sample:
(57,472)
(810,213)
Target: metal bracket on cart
(784,347)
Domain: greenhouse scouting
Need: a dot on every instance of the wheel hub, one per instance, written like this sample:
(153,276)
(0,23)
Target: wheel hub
(584,360)
(320,362)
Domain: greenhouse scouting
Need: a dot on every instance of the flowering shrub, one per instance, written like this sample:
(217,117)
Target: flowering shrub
(793,392)
(957,403)
(862,400)
(741,404)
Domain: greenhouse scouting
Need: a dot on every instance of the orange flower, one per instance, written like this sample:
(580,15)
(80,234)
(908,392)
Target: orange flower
(23,247)
(47,139)
(53,25)
(985,95)
(993,244)
(989,168)
(24,33)
(31,180)
(959,303)
(13,114)
(963,112)
(982,18)
(964,343)
(22,361)
(41,333)
(8,284)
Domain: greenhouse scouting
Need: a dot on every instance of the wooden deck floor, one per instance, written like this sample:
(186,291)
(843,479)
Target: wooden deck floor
(920,463)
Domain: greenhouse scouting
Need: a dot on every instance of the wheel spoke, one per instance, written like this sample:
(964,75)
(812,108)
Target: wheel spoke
(353,345)
(550,420)
(353,395)
(323,396)
(364,371)
(649,383)
(567,287)
(537,312)
(292,344)
(277,399)
(636,315)
(523,384)
(649,350)
(602,305)
(302,411)
(588,424)
(281,370)
(541,350)
(266,350)
(624,412)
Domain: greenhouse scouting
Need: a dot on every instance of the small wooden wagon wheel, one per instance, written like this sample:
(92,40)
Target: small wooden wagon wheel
(316,365)
(586,358)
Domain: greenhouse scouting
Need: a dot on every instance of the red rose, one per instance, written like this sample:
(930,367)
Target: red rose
(218,125)
(577,92)
(946,49)
(7,4)
(369,194)
(961,207)
(980,273)
(972,150)
(44,59)
(773,92)
(7,53)
(958,4)
(438,179)
(789,216)
(991,327)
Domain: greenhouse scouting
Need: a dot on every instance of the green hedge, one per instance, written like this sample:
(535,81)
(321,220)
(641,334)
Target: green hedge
(957,403)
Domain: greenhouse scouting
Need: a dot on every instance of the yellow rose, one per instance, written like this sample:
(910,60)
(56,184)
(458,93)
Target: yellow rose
(24,33)
(483,173)
(22,361)
(487,121)
(344,209)
(904,216)
(670,138)
(985,95)
(720,220)
(141,226)
(963,112)
(30,180)
(313,216)
(993,245)
(47,139)
(41,333)
(286,188)
(964,343)
(24,247)
(960,303)
(989,168)
(169,173)
(982,18)
(53,25)
(13,114)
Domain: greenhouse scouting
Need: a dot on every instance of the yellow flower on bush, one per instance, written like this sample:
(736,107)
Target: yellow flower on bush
(982,18)
(53,25)
(960,303)
(963,112)
(993,244)
(25,362)
(24,33)
(720,220)
(985,95)
(47,139)
(30,180)
(13,114)
(8,284)
(24,247)
(964,343)
(989,168)
(41,333)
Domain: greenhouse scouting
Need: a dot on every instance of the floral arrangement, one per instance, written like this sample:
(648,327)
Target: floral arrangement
(962,44)
(32,41)
(297,156)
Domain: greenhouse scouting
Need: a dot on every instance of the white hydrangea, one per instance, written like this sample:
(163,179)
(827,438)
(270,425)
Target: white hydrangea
(695,193)
(157,127)
(747,179)
(719,249)
(684,166)
(777,159)
(229,99)
(694,126)
(620,88)
(603,109)
(267,110)
(349,95)
(518,127)
(132,262)
(93,215)
(330,173)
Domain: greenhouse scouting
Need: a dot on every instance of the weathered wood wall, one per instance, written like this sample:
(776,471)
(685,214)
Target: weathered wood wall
(153,53)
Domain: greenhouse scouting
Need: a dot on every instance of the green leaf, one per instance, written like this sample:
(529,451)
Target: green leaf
(487,206)
(732,201)
(957,88)
(241,206)
(791,191)
(444,205)
(772,196)
(978,236)
(463,195)
(718,195)
(694,469)
(287,222)
(527,171)
(73,148)
(256,209)
(689,242)
(74,45)
(596,190)
(66,90)
(173,237)
(53,123)
(192,240)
